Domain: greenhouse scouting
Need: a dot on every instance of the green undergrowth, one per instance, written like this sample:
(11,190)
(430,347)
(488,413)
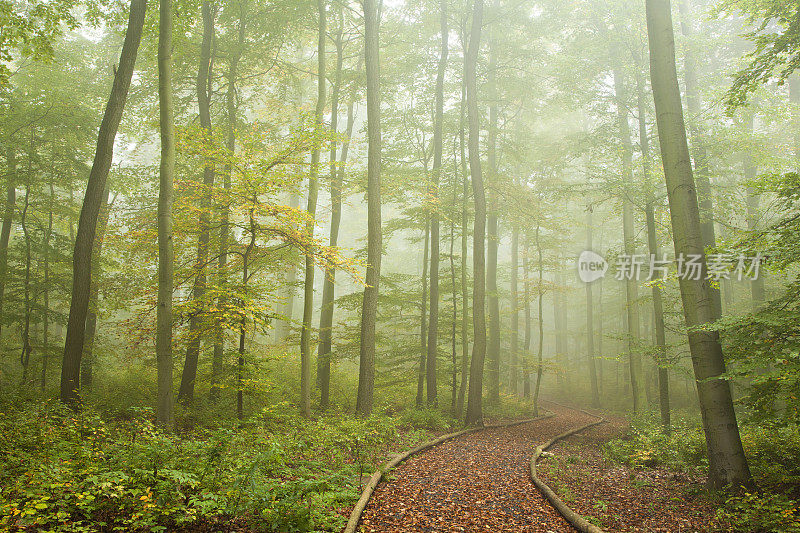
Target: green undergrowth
(773,453)
(61,471)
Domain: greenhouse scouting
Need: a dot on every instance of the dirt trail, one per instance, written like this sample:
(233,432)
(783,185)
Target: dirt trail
(476,483)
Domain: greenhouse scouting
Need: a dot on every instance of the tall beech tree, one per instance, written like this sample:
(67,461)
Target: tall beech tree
(311,209)
(438,120)
(8,218)
(166,197)
(474,414)
(492,231)
(93,199)
(88,358)
(231,112)
(203,90)
(326,310)
(590,352)
(631,284)
(369,306)
(727,462)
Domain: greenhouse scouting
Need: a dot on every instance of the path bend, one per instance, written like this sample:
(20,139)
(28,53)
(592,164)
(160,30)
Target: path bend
(479,482)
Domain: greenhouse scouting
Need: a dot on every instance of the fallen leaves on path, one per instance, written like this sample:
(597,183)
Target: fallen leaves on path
(620,497)
(476,483)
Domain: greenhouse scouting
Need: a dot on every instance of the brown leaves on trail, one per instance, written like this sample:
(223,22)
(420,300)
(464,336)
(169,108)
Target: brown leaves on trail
(476,483)
(622,498)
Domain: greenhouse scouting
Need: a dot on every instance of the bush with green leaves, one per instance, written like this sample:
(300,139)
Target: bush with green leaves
(65,471)
(761,513)
(773,452)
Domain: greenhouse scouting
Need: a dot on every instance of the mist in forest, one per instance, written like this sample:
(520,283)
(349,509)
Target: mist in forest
(250,249)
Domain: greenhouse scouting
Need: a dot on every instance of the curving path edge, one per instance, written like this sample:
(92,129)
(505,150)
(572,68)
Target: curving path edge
(576,520)
(375,479)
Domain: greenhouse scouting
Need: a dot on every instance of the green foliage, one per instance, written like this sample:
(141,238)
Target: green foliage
(77,472)
(773,454)
(646,445)
(776,53)
(429,418)
(761,513)
(762,347)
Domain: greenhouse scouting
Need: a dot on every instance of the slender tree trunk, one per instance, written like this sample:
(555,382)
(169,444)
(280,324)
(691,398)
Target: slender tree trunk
(8,217)
(454,289)
(166,255)
(727,462)
(631,285)
(87,224)
(369,309)
(231,109)
(243,328)
(313,192)
(46,290)
(474,415)
(526,378)
(558,321)
(423,330)
(438,120)
(189,374)
(514,362)
(652,245)
(328,288)
(89,357)
(589,319)
(462,390)
(702,170)
(600,334)
(540,354)
(27,348)
(493,238)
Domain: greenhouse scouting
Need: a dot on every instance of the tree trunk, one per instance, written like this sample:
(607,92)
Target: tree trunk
(369,308)
(243,328)
(589,319)
(514,360)
(328,288)
(652,245)
(423,329)
(46,290)
(438,120)
(558,321)
(25,355)
(311,209)
(454,289)
(727,462)
(492,237)
(631,285)
(87,224)
(526,378)
(474,415)
(166,254)
(88,358)
(204,76)
(462,390)
(231,109)
(702,171)
(8,217)
(540,354)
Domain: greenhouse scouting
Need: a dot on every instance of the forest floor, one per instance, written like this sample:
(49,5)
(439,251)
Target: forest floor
(481,483)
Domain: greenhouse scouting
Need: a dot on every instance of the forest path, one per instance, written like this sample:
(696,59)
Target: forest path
(479,482)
